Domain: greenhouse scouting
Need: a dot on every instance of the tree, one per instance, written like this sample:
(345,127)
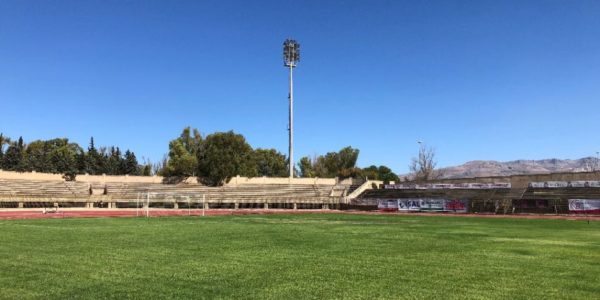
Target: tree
(423,166)
(36,157)
(183,154)
(64,159)
(386,175)
(3,141)
(114,161)
(181,163)
(146,170)
(191,140)
(130,164)
(93,160)
(306,167)
(270,162)
(341,164)
(224,155)
(13,159)
(382,173)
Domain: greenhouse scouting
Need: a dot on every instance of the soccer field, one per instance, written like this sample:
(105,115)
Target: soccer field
(305,256)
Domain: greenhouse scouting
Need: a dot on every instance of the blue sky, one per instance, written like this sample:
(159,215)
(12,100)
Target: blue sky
(498,80)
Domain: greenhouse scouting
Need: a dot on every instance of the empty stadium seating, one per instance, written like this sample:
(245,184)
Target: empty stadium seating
(31,193)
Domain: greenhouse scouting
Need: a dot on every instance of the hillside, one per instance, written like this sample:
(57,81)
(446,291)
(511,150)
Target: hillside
(481,168)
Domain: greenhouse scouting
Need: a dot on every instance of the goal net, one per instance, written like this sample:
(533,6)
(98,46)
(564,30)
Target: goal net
(150,204)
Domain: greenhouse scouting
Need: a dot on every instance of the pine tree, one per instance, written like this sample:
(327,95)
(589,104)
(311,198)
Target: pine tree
(131,163)
(13,159)
(3,141)
(92,159)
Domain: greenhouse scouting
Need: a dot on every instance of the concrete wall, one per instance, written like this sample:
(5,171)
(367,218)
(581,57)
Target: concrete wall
(238,180)
(81,178)
(159,179)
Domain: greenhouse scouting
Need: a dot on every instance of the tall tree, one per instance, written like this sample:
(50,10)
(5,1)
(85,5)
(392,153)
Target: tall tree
(13,159)
(64,159)
(92,159)
(191,139)
(423,166)
(3,141)
(181,163)
(270,162)
(341,164)
(36,157)
(114,166)
(382,173)
(306,167)
(224,155)
(183,154)
(130,163)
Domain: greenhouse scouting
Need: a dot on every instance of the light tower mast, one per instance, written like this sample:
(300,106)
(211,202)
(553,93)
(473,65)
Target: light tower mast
(291,56)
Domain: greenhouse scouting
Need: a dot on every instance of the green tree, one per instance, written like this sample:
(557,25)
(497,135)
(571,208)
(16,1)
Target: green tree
(13,159)
(130,164)
(382,173)
(270,162)
(341,164)
(3,141)
(36,155)
(183,154)
(93,160)
(181,163)
(306,167)
(64,159)
(224,155)
(114,161)
(101,161)
(146,170)
(191,139)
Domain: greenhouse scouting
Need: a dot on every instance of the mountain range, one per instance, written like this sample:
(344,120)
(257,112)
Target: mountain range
(483,168)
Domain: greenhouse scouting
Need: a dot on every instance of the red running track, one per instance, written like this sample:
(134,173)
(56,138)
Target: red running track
(98,213)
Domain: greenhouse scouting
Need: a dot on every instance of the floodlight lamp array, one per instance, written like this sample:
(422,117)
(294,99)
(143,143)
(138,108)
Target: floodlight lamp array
(291,53)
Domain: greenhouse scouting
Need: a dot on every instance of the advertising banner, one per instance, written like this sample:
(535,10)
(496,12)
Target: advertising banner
(387,205)
(432,204)
(584,206)
(423,204)
(456,205)
(409,204)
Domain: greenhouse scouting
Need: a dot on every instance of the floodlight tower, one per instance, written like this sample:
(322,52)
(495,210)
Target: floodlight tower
(291,56)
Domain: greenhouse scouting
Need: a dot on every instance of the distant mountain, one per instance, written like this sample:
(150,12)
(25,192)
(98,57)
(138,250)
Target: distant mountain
(482,168)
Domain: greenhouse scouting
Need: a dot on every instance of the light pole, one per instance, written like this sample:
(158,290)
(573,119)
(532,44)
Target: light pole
(597,161)
(291,56)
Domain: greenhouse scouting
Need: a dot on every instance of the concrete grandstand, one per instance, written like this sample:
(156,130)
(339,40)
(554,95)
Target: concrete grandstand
(542,193)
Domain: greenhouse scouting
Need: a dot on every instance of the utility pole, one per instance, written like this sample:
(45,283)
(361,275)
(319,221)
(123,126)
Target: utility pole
(291,56)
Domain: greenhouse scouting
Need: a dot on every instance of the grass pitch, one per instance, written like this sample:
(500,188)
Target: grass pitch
(311,256)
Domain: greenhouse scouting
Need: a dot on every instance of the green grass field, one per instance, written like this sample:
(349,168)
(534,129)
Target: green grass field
(312,256)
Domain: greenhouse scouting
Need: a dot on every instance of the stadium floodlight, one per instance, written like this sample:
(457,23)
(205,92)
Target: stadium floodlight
(291,56)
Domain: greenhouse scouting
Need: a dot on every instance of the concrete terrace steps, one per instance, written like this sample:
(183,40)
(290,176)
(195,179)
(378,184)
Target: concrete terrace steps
(25,191)
(131,191)
(32,188)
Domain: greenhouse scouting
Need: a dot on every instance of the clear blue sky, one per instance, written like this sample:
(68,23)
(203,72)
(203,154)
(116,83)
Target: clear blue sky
(498,80)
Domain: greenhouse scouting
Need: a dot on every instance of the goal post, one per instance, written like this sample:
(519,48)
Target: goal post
(150,204)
